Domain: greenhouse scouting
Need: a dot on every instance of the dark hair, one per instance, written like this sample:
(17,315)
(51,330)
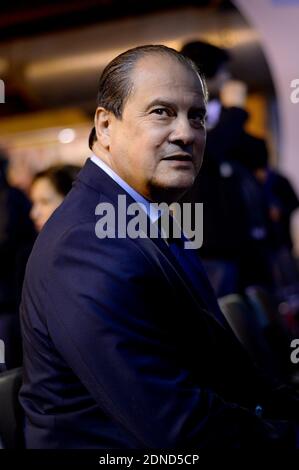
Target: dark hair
(207,57)
(3,167)
(60,176)
(116,85)
(255,154)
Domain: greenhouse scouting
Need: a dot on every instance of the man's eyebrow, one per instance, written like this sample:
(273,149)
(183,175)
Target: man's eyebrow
(201,109)
(162,102)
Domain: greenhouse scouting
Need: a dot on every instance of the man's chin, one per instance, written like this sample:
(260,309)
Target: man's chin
(173,192)
(182,183)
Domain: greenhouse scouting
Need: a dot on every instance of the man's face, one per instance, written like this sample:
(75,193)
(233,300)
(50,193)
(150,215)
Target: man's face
(157,146)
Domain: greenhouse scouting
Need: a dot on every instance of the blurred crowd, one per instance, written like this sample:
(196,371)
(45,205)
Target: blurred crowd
(247,204)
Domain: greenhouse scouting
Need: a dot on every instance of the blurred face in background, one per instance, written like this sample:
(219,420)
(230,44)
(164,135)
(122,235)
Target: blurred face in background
(45,199)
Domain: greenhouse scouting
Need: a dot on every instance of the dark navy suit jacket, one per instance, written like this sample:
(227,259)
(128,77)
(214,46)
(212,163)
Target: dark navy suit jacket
(119,350)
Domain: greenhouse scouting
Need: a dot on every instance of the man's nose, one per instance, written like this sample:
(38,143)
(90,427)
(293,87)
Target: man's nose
(183,132)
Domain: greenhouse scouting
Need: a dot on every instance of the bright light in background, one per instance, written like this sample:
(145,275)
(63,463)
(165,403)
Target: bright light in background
(66,136)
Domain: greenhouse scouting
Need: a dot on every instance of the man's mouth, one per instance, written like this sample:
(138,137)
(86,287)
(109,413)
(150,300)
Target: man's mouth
(181,157)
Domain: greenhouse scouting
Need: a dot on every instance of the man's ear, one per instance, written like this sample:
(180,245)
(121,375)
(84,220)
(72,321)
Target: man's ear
(102,123)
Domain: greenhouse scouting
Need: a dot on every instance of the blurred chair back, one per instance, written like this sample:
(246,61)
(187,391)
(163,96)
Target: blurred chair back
(245,325)
(11,416)
(272,326)
(263,305)
(10,333)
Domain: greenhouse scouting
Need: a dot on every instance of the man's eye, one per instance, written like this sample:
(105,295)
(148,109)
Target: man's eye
(199,119)
(161,111)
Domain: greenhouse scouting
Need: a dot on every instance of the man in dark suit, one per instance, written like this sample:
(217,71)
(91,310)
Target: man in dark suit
(124,343)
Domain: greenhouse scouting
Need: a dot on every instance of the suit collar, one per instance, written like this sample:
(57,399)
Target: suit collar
(97,179)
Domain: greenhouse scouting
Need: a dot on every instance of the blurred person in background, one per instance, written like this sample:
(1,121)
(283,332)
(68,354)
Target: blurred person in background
(17,236)
(47,191)
(213,61)
(281,201)
(235,219)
